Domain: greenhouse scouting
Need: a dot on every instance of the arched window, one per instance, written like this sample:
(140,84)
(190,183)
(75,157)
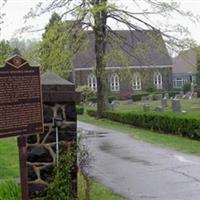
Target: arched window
(114,83)
(158,80)
(92,82)
(136,82)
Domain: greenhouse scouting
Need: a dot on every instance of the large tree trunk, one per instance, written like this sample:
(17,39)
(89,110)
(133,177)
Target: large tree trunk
(100,19)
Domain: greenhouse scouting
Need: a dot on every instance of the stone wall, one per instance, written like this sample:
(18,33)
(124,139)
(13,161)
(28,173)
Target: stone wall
(41,149)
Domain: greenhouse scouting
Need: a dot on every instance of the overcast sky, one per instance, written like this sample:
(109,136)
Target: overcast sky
(16,9)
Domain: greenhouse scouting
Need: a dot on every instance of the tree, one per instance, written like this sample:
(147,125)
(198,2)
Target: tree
(5,51)
(28,48)
(57,46)
(94,14)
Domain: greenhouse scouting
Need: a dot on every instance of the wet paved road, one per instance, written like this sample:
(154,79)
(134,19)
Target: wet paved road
(138,170)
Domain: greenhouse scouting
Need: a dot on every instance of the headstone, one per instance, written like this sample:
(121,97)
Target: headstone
(176,105)
(157,97)
(144,98)
(181,93)
(159,109)
(130,101)
(194,95)
(146,107)
(150,97)
(164,102)
(166,95)
(117,103)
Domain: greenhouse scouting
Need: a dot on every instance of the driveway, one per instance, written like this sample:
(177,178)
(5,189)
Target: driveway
(138,170)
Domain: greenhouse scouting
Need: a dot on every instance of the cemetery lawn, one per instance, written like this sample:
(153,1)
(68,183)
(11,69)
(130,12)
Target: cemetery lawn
(9,170)
(192,107)
(178,143)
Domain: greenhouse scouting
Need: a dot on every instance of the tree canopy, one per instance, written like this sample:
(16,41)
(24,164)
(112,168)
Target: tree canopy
(57,46)
(5,50)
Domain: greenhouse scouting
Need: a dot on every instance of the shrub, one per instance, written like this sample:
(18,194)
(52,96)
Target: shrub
(111,98)
(86,92)
(92,99)
(79,110)
(164,123)
(137,97)
(186,87)
(60,186)
(173,93)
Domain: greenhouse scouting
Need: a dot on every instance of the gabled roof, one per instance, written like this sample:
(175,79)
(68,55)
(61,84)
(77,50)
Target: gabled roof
(185,62)
(136,48)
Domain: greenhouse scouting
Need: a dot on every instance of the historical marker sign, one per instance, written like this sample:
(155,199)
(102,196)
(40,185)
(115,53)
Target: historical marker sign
(20,99)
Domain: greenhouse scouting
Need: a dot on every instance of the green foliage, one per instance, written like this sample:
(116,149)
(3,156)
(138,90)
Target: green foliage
(92,99)
(5,51)
(187,87)
(164,123)
(10,190)
(61,185)
(150,89)
(28,48)
(137,97)
(57,47)
(86,93)
(111,98)
(79,110)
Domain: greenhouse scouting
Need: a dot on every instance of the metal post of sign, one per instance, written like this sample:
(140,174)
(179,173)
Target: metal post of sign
(23,168)
(57,147)
(57,124)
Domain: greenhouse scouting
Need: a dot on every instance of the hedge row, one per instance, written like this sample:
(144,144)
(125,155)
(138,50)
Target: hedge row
(163,123)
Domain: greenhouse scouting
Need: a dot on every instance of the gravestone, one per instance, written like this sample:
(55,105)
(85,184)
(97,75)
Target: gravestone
(144,98)
(116,102)
(176,105)
(150,97)
(166,95)
(194,95)
(159,109)
(59,99)
(157,97)
(146,107)
(164,102)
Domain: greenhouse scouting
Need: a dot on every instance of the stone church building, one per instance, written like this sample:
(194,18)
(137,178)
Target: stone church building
(135,61)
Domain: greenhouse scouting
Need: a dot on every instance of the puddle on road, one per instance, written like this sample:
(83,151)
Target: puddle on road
(94,134)
(117,152)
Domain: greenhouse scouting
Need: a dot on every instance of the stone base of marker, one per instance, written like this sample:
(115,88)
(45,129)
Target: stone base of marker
(58,99)
(41,150)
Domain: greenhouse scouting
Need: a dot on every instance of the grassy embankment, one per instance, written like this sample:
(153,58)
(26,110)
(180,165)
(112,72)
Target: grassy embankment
(174,142)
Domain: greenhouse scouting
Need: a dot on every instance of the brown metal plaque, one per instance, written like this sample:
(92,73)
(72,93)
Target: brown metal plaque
(20,99)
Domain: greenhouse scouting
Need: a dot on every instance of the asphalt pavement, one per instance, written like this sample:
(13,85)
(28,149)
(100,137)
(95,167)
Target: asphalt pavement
(137,170)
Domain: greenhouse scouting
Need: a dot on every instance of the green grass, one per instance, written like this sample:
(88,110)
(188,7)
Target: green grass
(9,161)
(9,169)
(174,142)
(97,191)
(192,107)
